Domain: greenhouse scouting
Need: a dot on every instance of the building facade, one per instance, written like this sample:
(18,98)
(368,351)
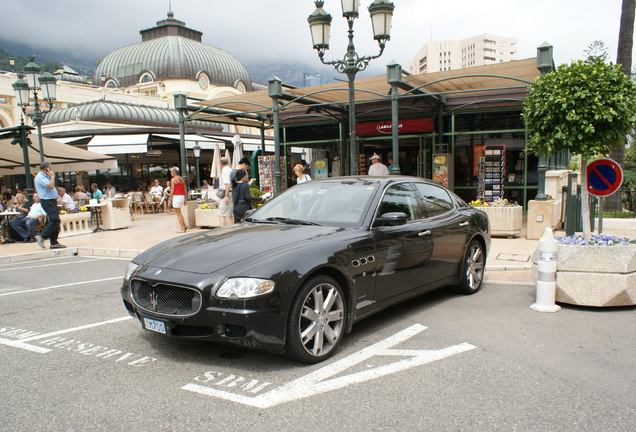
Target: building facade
(443,55)
(127,108)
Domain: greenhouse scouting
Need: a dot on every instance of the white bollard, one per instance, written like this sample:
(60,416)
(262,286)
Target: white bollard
(546,282)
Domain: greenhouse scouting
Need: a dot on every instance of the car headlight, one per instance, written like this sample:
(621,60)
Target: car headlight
(129,271)
(241,288)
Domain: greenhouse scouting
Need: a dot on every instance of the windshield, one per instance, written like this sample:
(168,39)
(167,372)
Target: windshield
(342,204)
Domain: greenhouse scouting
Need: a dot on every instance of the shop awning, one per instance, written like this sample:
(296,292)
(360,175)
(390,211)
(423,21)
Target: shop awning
(68,140)
(508,75)
(63,157)
(191,140)
(119,144)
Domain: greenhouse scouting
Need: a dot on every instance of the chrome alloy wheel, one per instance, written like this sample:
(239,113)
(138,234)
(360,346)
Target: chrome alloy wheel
(474,266)
(321,321)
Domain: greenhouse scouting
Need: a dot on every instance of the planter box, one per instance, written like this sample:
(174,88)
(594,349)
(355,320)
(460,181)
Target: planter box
(207,217)
(504,221)
(74,224)
(595,275)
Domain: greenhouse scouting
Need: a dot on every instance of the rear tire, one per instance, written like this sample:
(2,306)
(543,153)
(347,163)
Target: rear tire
(472,269)
(316,320)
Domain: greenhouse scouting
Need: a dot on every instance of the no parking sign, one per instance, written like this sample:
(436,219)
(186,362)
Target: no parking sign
(604,177)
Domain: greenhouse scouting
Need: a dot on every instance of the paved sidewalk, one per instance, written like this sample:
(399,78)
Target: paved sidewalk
(509,260)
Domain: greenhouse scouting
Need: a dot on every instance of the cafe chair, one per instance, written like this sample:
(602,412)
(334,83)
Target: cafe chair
(149,202)
(137,202)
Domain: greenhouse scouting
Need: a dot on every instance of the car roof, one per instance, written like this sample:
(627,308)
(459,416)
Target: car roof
(379,179)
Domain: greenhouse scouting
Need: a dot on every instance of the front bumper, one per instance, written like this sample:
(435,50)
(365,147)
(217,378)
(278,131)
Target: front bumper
(258,323)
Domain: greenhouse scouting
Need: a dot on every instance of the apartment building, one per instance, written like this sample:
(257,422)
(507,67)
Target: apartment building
(485,49)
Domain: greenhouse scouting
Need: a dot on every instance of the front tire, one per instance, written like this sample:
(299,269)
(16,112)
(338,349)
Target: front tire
(473,269)
(316,320)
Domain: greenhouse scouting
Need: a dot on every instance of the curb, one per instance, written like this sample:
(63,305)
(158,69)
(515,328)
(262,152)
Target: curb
(131,253)
(71,251)
(511,267)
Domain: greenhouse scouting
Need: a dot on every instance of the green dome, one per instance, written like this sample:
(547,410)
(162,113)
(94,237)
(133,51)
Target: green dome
(170,51)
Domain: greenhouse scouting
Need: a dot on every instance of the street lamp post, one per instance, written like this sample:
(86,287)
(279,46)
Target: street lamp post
(275,91)
(545,65)
(197,153)
(381,12)
(181,105)
(35,81)
(394,78)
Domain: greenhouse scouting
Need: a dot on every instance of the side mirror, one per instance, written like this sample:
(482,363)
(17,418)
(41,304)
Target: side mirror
(391,219)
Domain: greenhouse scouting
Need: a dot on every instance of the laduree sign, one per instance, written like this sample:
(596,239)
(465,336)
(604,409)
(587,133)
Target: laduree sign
(386,127)
(604,177)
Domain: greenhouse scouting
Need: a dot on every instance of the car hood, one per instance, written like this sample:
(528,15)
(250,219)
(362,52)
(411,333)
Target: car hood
(213,251)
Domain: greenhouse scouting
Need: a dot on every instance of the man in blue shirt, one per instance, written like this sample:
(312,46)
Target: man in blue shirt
(97,194)
(45,187)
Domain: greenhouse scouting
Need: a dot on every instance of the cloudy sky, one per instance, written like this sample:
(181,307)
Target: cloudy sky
(278,30)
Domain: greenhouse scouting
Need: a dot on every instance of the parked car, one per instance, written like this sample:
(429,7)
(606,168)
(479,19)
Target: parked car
(299,271)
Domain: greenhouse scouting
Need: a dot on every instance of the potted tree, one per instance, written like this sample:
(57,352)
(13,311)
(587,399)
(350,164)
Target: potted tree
(586,108)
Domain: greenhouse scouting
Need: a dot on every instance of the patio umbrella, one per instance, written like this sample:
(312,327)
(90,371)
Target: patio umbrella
(63,157)
(228,156)
(215,171)
(238,149)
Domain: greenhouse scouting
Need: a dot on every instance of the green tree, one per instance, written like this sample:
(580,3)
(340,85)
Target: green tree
(583,108)
(595,52)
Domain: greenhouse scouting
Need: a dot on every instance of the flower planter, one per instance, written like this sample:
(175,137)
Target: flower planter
(74,224)
(207,217)
(599,276)
(504,221)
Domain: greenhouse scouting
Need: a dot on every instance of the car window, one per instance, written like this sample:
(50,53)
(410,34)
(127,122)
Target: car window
(436,200)
(400,198)
(325,203)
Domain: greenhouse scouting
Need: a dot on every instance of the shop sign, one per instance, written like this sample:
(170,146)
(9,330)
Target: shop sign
(386,127)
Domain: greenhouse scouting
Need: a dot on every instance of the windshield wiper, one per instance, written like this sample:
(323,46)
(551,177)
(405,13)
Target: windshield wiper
(291,221)
(249,219)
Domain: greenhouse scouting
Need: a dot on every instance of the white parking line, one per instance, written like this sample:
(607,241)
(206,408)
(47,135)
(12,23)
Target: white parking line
(47,265)
(60,286)
(331,377)
(73,329)
(22,342)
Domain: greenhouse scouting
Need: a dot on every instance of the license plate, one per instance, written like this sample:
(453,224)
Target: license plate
(154,325)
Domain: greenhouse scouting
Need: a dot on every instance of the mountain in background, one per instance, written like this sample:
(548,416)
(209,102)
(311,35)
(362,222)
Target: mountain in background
(84,65)
(289,73)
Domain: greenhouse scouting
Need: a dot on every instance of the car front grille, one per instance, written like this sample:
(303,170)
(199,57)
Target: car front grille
(165,299)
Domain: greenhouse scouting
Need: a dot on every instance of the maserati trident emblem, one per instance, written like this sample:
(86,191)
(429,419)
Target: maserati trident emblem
(153,301)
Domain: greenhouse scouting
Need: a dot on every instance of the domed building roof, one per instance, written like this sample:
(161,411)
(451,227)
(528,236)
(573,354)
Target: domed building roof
(120,112)
(66,73)
(171,51)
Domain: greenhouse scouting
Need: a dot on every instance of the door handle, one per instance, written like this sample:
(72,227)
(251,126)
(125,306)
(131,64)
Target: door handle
(463,224)
(424,233)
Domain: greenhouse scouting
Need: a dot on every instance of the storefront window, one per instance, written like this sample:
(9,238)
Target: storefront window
(513,175)
(493,121)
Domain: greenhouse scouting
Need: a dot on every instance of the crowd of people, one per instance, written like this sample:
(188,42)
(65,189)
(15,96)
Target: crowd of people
(233,193)
(236,198)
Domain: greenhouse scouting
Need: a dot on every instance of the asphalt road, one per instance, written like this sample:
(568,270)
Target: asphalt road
(73,360)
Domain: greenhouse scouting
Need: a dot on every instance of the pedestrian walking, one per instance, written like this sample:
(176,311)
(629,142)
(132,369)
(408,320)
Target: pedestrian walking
(45,187)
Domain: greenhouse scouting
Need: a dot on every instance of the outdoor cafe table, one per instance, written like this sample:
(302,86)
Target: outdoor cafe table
(96,208)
